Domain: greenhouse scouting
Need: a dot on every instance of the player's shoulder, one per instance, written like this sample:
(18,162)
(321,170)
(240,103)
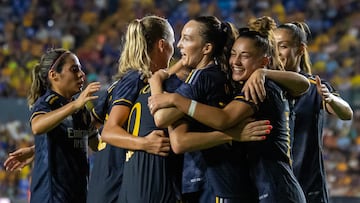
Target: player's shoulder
(49,98)
(52,98)
(131,78)
(133,75)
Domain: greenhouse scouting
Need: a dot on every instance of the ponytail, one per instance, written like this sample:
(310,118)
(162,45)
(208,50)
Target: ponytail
(140,38)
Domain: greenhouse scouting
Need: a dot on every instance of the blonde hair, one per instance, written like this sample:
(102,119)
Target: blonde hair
(140,37)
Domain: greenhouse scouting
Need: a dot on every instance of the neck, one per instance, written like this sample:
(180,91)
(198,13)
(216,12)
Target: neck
(204,63)
(62,93)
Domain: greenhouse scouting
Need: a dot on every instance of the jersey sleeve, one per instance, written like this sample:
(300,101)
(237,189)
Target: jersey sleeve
(43,105)
(100,109)
(127,89)
(172,83)
(205,86)
(191,87)
(240,96)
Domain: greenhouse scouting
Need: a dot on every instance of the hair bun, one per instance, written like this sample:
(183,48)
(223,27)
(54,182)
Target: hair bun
(262,25)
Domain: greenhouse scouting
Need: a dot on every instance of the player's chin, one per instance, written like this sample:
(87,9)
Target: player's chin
(237,77)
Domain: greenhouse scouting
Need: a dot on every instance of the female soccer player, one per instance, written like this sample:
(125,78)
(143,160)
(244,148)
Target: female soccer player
(148,47)
(309,108)
(61,125)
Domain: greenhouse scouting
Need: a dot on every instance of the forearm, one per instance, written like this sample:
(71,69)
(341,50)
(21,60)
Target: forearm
(119,137)
(193,141)
(182,103)
(176,67)
(340,108)
(46,122)
(295,83)
(214,117)
(166,116)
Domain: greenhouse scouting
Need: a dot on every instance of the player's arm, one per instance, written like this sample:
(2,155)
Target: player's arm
(114,134)
(20,158)
(177,67)
(214,117)
(335,105)
(43,123)
(183,141)
(165,116)
(294,83)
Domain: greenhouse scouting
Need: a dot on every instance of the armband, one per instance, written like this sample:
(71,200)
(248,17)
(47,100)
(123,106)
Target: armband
(192,108)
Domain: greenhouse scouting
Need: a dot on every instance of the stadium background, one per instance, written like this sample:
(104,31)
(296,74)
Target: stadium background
(93,30)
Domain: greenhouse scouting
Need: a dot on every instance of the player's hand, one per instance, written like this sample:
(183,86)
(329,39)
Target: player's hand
(250,131)
(324,91)
(157,143)
(19,158)
(94,140)
(161,74)
(254,87)
(159,101)
(87,95)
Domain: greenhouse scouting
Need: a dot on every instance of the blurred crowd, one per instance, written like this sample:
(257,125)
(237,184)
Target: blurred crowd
(93,29)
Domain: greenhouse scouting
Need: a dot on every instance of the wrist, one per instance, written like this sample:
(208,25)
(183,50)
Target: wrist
(174,99)
(192,108)
(142,143)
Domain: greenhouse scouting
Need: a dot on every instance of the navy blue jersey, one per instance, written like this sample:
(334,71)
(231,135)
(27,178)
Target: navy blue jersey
(307,148)
(147,177)
(101,109)
(270,160)
(107,172)
(60,172)
(105,176)
(209,86)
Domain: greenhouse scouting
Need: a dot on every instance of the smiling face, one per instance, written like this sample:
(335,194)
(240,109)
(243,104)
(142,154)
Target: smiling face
(245,59)
(71,78)
(191,45)
(289,52)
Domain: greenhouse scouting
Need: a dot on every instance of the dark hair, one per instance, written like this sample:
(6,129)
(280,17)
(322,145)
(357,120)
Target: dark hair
(53,59)
(301,34)
(221,35)
(261,30)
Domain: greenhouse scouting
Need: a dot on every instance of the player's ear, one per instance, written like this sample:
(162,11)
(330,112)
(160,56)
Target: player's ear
(207,49)
(161,45)
(53,75)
